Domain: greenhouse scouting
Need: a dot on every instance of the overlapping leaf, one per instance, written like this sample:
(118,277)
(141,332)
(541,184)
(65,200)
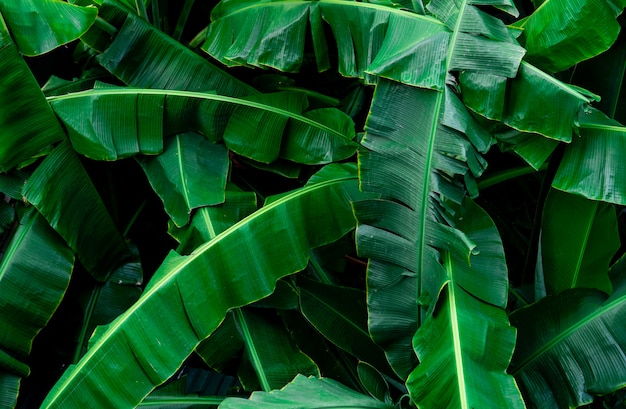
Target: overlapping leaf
(194,289)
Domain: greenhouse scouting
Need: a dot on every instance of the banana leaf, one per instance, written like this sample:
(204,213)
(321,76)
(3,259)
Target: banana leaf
(27,122)
(560,34)
(144,57)
(571,346)
(209,221)
(39,26)
(190,173)
(61,190)
(372,39)
(147,344)
(307,393)
(374,382)
(533,148)
(174,396)
(466,344)
(592,165)
(277,121)
(218,349)
(34,273)
(270,349)
(579,238)
(403,232)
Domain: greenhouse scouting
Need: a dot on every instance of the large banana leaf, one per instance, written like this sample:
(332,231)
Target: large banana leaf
(561,33)
(408,159)
(39,26)
(145,57)
(592,165)
(371,38)
(34,273)
(263,127)
(27,122)
(307,393)
(190,173)
(578,240)
(146,344)
(465,346)
(571,346)
(61,190)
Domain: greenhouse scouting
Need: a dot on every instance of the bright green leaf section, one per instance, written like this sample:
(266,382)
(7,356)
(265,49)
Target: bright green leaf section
(270,349)
(561,33)
(190,173)
(578,240)
(39,26)
(571,346)
(246,259)
(467,340)
(307,393)
(27,122)
(62,191)
(253,126)
(34,273)
(593,164)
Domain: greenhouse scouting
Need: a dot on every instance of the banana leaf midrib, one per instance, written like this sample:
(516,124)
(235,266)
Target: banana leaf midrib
(161,401)
(165,279)
(602,127)
(209,223)
(255,360)
(197,95)
(556,82)
(581,254)
(181,170)
(15,244)
(356,4)
(569,331)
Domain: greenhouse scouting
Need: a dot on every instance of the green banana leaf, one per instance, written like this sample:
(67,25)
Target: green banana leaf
(560,34)
(219,348)
(533,148)
(533,101)
(340,314)
(592,165)
(34,273)
(190,173)
(579,238)
(307,393)
(374,382)
(209,221)
(467,325)
(39,26)
(571,346)
(271,351)
(108,300)
(174,396)
(147,344)
(61,190)
(144,57)
(372,39)
(27,122)
(277,121)
(409,133)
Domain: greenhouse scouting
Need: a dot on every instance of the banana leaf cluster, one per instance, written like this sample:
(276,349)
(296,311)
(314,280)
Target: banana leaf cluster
(312,204)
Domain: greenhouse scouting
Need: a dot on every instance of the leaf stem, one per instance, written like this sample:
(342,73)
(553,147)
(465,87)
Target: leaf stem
(507,174)
(182,19)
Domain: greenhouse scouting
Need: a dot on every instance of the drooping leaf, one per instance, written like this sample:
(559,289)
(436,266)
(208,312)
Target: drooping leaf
(34,273)
(467,341)
(262,128)
(307,393)
(62,191)
(246,259)
(142,56)
(570,346)
(223,343)
(190,173)
(372,39)
(592,164)
(39,26)
(578,240)
(272,353)
(27,122)
(374,382)
(533,148)
(561,33)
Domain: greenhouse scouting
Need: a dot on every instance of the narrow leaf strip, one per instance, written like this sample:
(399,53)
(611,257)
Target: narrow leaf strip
(147,344)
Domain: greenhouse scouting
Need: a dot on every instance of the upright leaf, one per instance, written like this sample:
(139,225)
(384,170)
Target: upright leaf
(27,122)
(578,240)
(62,191)
(246,259)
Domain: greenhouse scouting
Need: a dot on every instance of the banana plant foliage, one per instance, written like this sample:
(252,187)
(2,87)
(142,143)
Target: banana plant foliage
(312,204)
